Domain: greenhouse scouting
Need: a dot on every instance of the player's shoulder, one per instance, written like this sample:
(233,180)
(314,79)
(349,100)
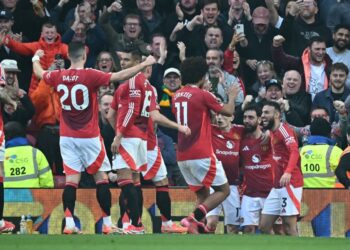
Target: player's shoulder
(285,129)
(237,128)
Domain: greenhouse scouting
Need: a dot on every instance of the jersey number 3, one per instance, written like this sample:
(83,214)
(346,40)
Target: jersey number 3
(181,110)
(72,94)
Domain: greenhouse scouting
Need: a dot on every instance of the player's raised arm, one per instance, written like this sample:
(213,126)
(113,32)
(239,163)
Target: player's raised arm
(229,108)
(129,72)
(38,70)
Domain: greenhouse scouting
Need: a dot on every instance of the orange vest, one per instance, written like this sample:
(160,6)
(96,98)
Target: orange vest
(346,151)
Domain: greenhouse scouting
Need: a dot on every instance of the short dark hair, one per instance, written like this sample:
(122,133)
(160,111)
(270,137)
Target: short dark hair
(14,129)
(214,27)
(253,107)
(320,126)
(341,26)
(206,2)
(273,104)
(193,69)
(157,35)
(319,107)
(132,16)
(76,50)
(49,25)
(340,66)
(104,94)
(316,39)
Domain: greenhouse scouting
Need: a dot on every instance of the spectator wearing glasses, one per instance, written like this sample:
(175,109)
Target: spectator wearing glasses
(132,36)
(85,30)
(171,83)
(106,64)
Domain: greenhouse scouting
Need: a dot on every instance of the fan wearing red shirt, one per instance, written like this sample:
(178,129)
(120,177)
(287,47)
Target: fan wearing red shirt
(285,197)
(80,141)
(226,139)
(192,106)
(258,166)
(5,226)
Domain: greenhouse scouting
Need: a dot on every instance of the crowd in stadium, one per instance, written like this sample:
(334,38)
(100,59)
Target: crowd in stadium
(249,97)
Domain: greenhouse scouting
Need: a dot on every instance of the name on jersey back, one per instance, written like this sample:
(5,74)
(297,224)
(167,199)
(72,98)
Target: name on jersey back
(70,78)
(183,94)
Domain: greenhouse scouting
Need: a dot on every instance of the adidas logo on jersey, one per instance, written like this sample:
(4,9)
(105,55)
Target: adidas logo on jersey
(246,148)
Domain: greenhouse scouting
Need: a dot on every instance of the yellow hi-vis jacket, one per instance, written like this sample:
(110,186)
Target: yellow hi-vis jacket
(26,167)
(318,163)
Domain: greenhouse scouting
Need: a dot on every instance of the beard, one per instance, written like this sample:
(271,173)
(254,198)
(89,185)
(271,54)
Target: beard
(340,47)
(187,9)
(269,125)
(250,128)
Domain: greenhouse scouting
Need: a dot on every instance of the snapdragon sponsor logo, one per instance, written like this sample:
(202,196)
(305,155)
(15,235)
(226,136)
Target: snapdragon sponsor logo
(255,167)
(223,152)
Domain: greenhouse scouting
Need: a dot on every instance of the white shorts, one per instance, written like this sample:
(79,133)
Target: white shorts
(230,206)
(132,155)
(203,172)
(156,169)
(79,154)
(283,201)
(251,208)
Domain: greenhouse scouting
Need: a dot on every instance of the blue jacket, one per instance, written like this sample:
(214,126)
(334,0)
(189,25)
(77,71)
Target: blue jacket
(325,99)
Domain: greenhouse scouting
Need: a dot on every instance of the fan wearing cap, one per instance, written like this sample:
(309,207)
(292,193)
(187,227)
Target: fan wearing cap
(171,83)
(259,34)
(6,28)
(25,109)
(274,92)
(5,226)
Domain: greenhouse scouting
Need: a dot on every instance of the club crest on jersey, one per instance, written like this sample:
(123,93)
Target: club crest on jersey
(256,158)
(230,144)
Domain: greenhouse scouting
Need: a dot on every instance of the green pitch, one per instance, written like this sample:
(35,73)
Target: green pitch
(168,242)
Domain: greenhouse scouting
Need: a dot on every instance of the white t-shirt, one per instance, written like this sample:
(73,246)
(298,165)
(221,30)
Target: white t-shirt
(343,57)
(317,78)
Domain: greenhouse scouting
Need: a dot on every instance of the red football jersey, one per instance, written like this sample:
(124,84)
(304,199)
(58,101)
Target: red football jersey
(136,100)
(77,89)
(152,141)
(258,167)
(191,106)
(226,148)
(286,154)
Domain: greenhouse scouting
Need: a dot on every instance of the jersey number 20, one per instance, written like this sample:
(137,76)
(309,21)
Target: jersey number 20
(72,94)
